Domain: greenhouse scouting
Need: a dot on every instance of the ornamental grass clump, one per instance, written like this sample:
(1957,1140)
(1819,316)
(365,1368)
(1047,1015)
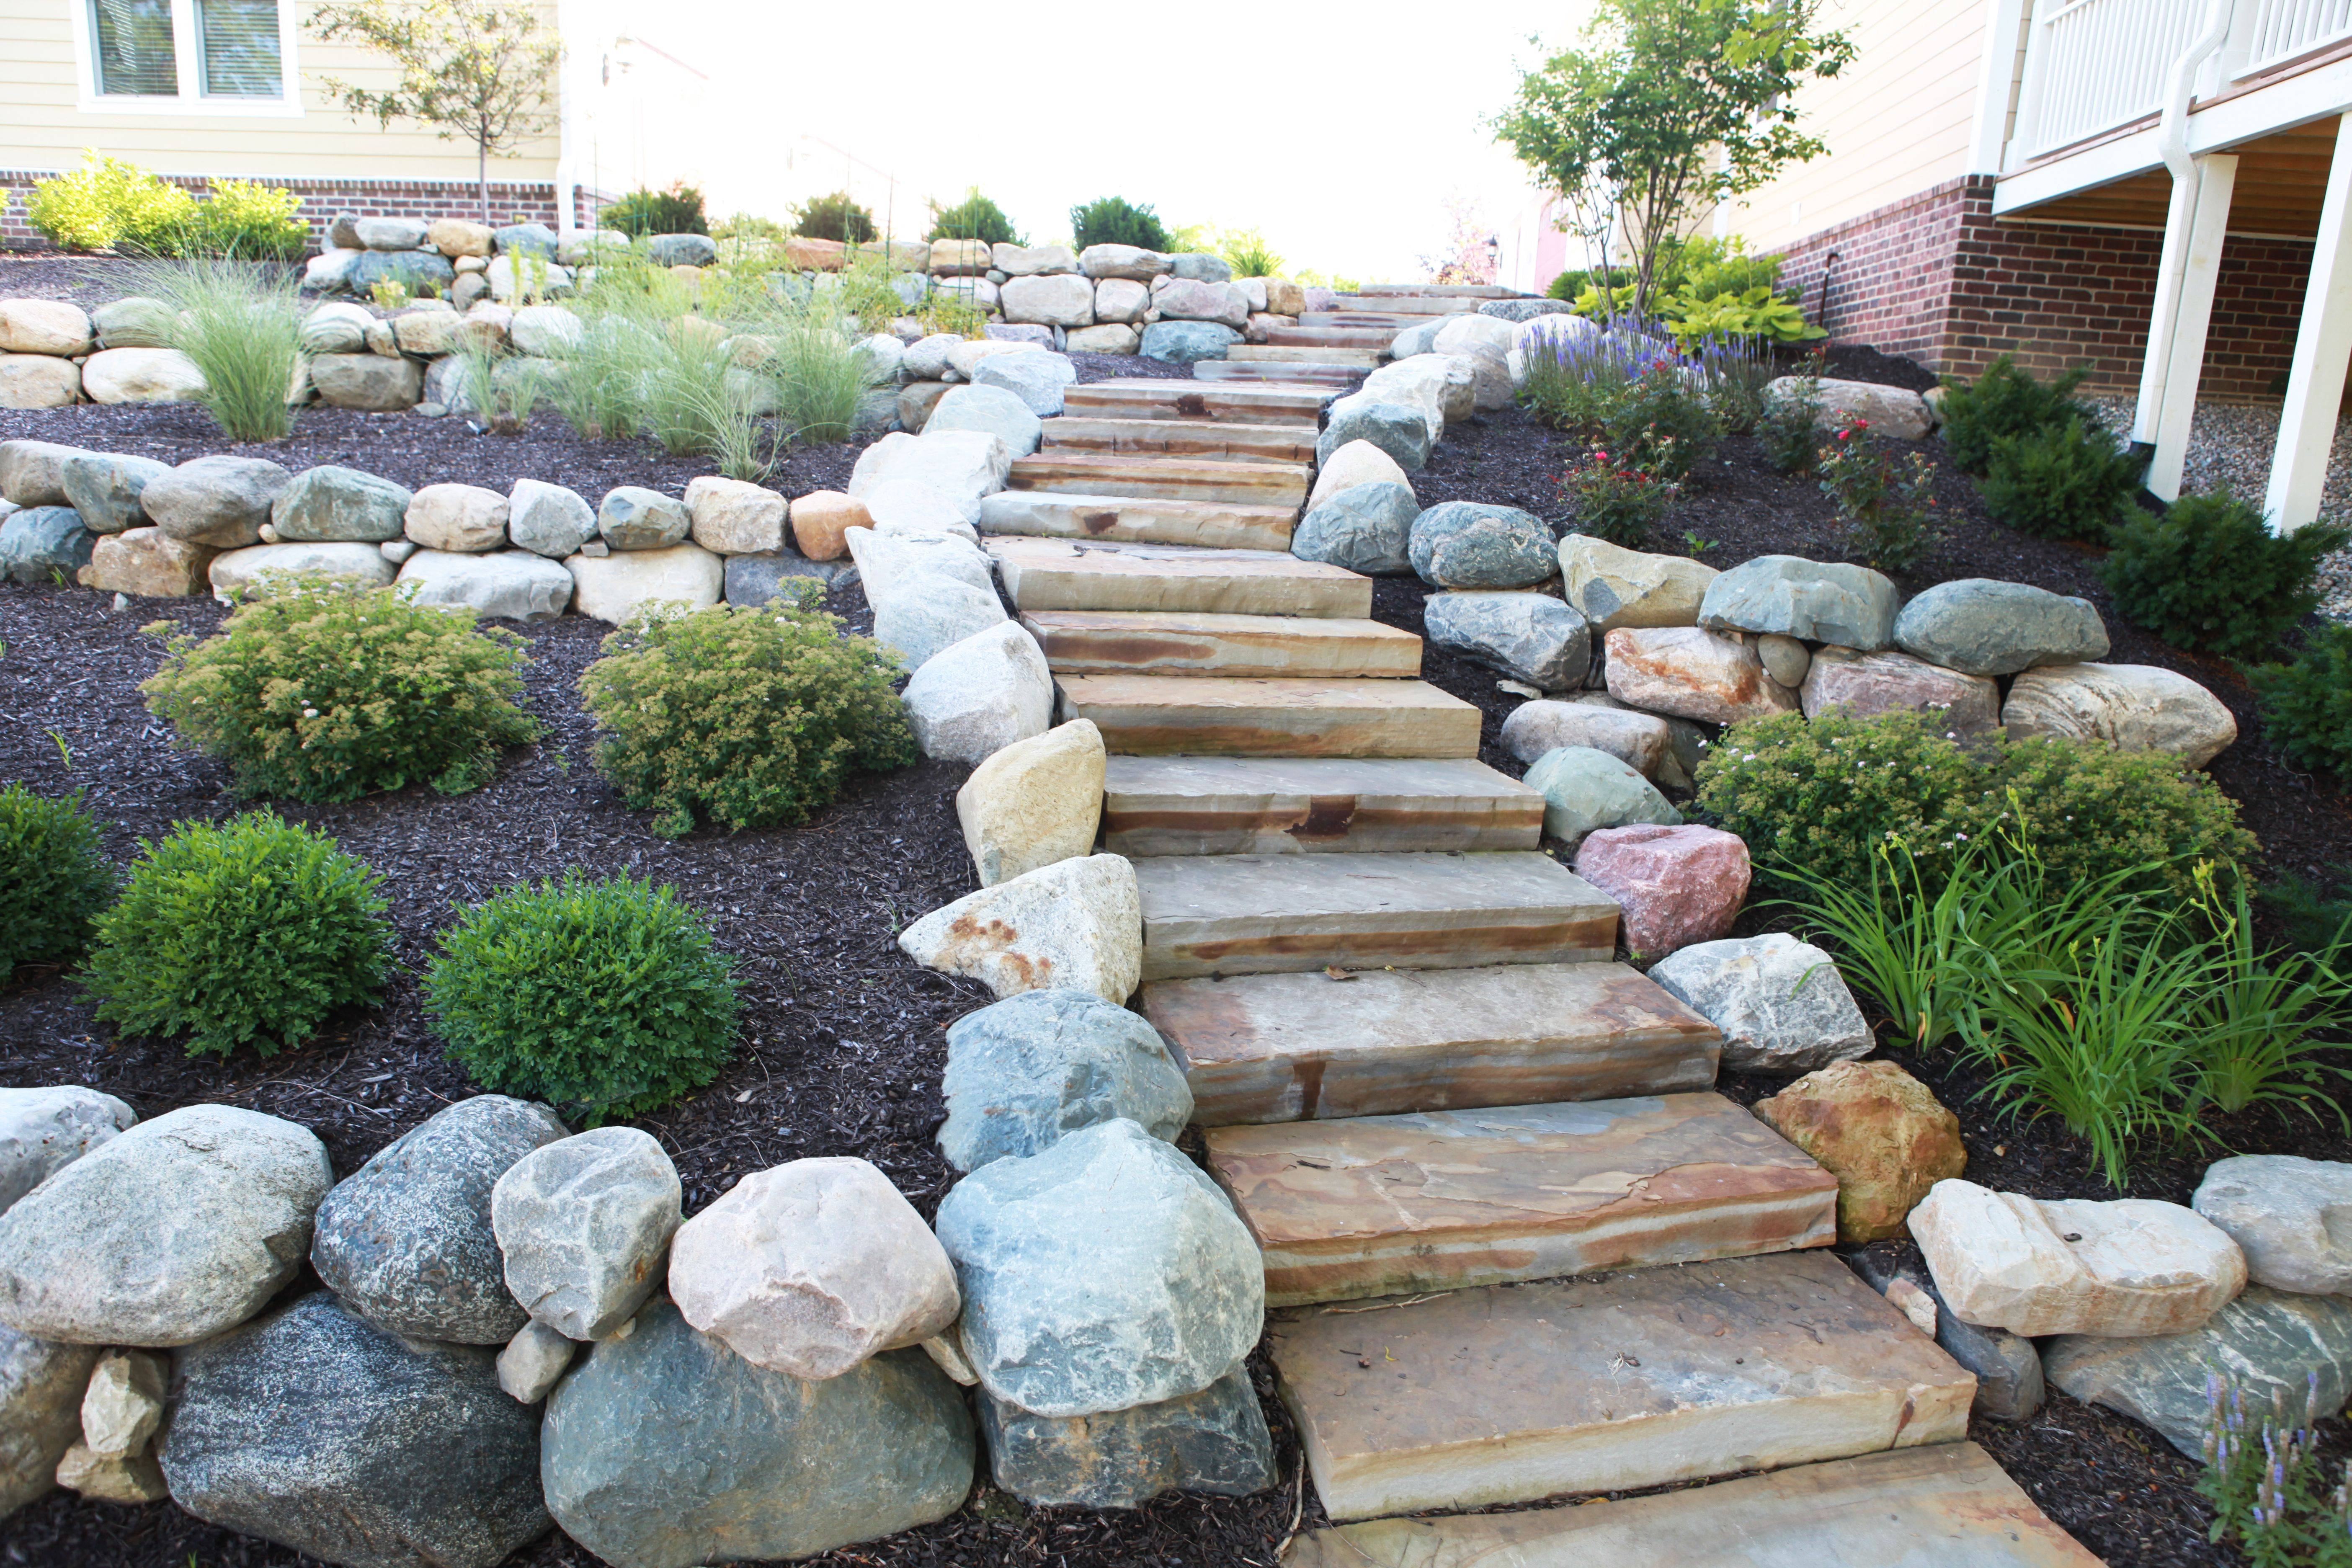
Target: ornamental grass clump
(745,716)
(241,326)
(327,693)
(250,933)
(2210,577)
(604,998)
(54,878)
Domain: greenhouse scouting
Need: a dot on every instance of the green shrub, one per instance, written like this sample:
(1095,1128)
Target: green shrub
(677,210)
(243,220)
(2307,703)
(1789,429)
(2311,914)
(748,227)
(2005,401)
(604,998)
(2210,576)
(1612,501)
(1247,253)
(327,693)
(1660,424)
(54,878)
(747,716)
(246,934)
(242,325)
(111,206)
(1114,220)
(1890,512)
(2091,811)
(974,217)
(834,218)
(2062,481)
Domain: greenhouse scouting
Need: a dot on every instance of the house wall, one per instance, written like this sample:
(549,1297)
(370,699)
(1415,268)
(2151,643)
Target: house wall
(324,200)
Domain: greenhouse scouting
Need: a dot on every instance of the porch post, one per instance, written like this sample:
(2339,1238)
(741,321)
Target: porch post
(2184,361)
(2323,351)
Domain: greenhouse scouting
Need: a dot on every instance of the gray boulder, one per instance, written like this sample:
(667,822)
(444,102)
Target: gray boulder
(1364,527)
(370,382)
(1201,266)
(44,544)
(1812,601)
(220,501)
(548,520)
(406,1238)
(1545,725)
(993,409)
(920,618)
(511,585)
(331,503)
(532,1362)
(1525,309)
(336,328)
(1980,626)
(666,1449)
(1397,429)
(329,271)
(537,240)
(1586,789)
(1781,1002)
(45,1130)
(1187,342)
(1030,1069)
(1107,1271)
(106,489)
(1532,638)
(1037,380)
(389,233)
(1468,544)
(681,250)
(317,1430)
(632,517)
(2007,1366)
(41,1387)
(416,270)
(1214,1441)
(584,1224)
(169,1232)
(1419,340)
(33,473)
(133,321)
(756,579)
(2291,1216)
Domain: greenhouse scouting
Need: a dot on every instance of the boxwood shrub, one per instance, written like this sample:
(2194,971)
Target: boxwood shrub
(54,878)
(2210,577)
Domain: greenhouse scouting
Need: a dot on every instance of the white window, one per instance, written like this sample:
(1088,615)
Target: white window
(188,57)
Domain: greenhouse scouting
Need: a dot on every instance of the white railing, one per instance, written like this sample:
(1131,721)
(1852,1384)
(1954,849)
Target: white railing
(2265,33)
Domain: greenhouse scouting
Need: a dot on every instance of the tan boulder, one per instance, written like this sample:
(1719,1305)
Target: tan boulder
(1880,1132)
(822,520)
(1284,297)
(1357,463)
(454,236)
(44,327)
(1076,923)
(734,517)
(1612,586)
(426,333)
(124,1402)
(961,257)
(2132,707)
(38,381)
(461,519)
(1035,802)
(142,375)
(112,1477)
(805,255)
(1692,674)
(148,564)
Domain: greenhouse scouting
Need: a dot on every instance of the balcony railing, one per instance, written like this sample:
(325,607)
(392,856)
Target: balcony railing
(2267,33)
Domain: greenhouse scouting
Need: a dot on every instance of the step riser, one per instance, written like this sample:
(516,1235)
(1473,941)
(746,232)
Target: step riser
(1168,437)
(1406,305)
(1174,650)
(1263,353)
(1175,730)
(1338,377)
(1174,950)
(1190,400)
(1368,337)
(1196,481)
(1132,520)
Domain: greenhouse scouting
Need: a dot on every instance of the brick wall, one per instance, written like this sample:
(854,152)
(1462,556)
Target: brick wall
(1883,278)
(322,200)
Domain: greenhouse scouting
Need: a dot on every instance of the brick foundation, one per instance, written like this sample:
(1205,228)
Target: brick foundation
(1936,278)
(323,200)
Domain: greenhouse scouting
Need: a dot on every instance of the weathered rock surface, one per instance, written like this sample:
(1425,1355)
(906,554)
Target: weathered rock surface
(234,574)
(142,375)
(821,520)
(33,326)
(1866,685)
(992,410)
(1891,411)
(1781,1002)
(1612,586)
(1584,789)
(967,464)
(1024,1071)
(1365,528)
(583,1226)
(1674,884)
(331,503)
(1398,431)
(2132,707)
(1812,601)
(38,381)
(1544,725)
(123,1404)
(534,1361)
(921,617)
(548,520)
(2291,1216)
(632,517)
(2008,1367)
(1981,626)
(1691,674)
(1037,380)
(42,544)
(116,1478)
(1077,923)
(105,488)
(1128,261)
(1468,545)
(1188,342)
(1034,802)
(1357,463)
(371,382)
(220,501)
(41,1387)
(734,517)
(513,585)
(457,519)
(631,583)
(1532,638)
(42,1131)
(1214,1441)
(1881,1131)
(973,698)
(147,562)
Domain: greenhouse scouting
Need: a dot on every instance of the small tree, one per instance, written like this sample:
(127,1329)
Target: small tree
(1669,107)
(974,217)
(1114,220)
(1465,256)
(835,217)
(475,69)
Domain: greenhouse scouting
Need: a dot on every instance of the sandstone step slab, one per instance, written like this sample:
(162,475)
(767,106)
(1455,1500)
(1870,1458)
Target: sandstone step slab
(1385,321)
(1377,335)
(1438,292)
(1336,377)
(1422,305)
(1265,914)
(1154,398)
(1221,716)
(1511,1393)
(1288,805)
(1059,575)
(1948,1504)
(1166,479)
(1294,1047)
(1138,520)
(1388,1206)
(1218,439)
(1270,354)
(1165,642)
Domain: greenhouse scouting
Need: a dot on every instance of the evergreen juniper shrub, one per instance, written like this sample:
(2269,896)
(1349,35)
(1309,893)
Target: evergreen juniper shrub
(2306,703)
(2005,401)
(2210,577)
(2061,481)
(1114,220)
(973,217)
(54,878)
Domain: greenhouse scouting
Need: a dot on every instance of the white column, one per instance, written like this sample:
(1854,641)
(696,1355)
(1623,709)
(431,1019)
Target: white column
(1997,83)
(2184,360)
(2323,351)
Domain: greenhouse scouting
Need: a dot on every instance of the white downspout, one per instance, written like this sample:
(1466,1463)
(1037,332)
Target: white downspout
(2172,145)
(567,137)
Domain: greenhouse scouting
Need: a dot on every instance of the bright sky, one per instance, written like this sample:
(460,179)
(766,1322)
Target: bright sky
(1340,131)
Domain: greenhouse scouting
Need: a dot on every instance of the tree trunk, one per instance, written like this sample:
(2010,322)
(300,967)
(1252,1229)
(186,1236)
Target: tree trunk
(482,173)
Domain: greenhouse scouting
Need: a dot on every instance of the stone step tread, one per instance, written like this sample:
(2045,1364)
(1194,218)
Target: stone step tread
(1407,304)
(1398,320)
(1286,805)
(1202,437)
(1075,574)
(1511,1393)
(1175,478)
(1291,1048)
(1271,354)
(1171,642)
(1389,1205)
(1438,292)
(1946,1503)
(1263,914)
(1138,520)
(1156,398)
(1377,336)
(1227,371)
(1221,716)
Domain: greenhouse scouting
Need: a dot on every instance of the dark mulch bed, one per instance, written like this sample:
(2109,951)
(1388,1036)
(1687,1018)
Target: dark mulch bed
(87,280)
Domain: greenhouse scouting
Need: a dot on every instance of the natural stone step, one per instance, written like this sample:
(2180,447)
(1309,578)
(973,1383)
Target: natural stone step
(1058,574)
(1152,398)
(1165,642)
(1138,520)
(1288,805)
(1267,353)
(1218,716)
(1337,377)
(1510,1393)
(1947,1503)
(1182,437)
(1168,479)
(1374,336)
(1386,1206)
(1406,304)
(1384,320)
(1438,292)
(1264,914)
(1291,1048)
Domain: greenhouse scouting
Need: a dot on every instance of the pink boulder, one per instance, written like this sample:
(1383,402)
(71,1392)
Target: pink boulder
(1675,885)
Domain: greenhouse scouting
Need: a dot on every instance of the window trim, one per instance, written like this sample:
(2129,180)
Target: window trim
(191,99)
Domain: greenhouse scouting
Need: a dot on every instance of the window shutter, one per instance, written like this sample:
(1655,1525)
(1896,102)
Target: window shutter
(134,48)
(240,47)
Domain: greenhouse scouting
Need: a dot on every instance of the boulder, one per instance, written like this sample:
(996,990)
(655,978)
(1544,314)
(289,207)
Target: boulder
(732,517)
(1980,626)
(884,560)
(1037,380)
(41,1387)
(1126,261)
(537,240)
(584,1227)
(822,520)
(1442,386)
(220,501)
(406,1240)
(1187,342)
(147,562)
(926,359)
(1471,332)
(426,332)
(1674,884)
(966,464)
(1467,544)
(44,327)
(1813,601)
(1356,463)
(1077,923)
(911,508)
(973,698)
(545,332)
(1398,430)
(511,282)
(106,490)
(2285,1212)
(1024,1072)
(2132,707)
(33,473)
(123,1478)
(1891,411)
(628,584)
(1060,299)
(2118,1270)
(965,354)
(315,1430)
(1035,802)
(454,236)
(953,257)
(394,234)
(1182,298)
(1200,266)
(133,321)
(1366,528)
(1788,661)
(1613,586)
(44,544)
(369,381)
(1691,674)
(123,1404)
(38,381)
(235,574)
(632,517)
(1880,1132)
(1105,1273)
(171,1232)
(1781,1002)
(1121,300)
(757,579)
(1525,309)
(532,1362)
(1865,685)
(331,270)
(548,520)
(923,617)
(1584,789)
(457,519)
(1106,339)
(2008,1367)
(1641,740)
(345,505)
(1214,1441)
(336,328)
(993,410)
(142,375)
(664,1449)
(917,400)
(510,584)
(1420,339)
(1532,638)
(43,1131)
